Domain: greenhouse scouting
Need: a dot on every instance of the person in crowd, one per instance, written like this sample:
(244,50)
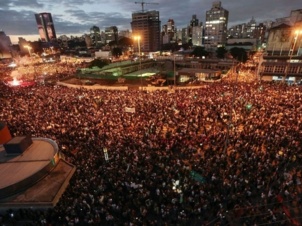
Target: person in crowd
(223,152)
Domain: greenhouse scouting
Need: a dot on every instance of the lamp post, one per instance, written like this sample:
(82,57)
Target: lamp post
(174,71)
(291,51)
(28,48)
(138,38)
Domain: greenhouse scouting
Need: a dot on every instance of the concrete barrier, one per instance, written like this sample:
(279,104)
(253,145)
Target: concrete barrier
(94,87)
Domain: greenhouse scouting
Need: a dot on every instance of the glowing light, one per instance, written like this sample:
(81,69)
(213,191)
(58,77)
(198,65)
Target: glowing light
(28,47)
(15,82)
(13,64)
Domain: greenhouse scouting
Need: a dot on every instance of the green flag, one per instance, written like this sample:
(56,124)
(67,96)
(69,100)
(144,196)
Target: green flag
(248,106)
(196,176)
(53,161)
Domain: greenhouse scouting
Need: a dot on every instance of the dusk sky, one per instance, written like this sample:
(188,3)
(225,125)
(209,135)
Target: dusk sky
(76,17)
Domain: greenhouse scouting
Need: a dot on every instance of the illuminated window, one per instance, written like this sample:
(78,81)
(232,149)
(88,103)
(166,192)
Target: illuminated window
(293,69)
(280,69)
(268,69)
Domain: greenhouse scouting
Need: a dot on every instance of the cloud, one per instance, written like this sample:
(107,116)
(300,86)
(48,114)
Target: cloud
(78,16)
(10,4)
(18,22)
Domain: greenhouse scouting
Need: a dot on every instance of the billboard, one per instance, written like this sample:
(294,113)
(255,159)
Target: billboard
(45,27)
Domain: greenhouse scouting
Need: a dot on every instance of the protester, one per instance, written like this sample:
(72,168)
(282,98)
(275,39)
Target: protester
(223,152)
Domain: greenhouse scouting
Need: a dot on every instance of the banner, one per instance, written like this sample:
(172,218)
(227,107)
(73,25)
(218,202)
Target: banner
(130,110)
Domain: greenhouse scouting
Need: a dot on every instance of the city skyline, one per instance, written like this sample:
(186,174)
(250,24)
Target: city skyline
(73,17)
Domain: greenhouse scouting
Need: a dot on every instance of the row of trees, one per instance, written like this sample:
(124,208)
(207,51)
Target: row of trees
(221,52)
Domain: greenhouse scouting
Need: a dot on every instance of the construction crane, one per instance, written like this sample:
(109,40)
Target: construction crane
(143,3)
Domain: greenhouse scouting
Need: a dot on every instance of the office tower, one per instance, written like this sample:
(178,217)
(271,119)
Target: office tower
(46,27)
(216,26)
(111,34)
(147,25)
(260,33)
(94,35)
(171,28)
(169,32)
(245,30)
(194,21)
(197,35)
(5,46)
(183,35)
(195,32)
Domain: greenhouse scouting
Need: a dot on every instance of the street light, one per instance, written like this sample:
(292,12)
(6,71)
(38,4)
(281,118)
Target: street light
(291,51)
(28,47)
(174,67)
(138,38)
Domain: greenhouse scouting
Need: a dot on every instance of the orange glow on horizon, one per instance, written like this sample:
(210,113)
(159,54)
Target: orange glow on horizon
(15,38)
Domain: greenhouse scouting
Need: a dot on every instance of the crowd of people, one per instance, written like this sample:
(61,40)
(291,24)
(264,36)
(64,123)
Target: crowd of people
(32,69)
(225,153)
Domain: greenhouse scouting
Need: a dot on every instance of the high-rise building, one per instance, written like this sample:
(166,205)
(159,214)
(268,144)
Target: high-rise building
(46,27)
(111,34)
(169,32)
(194,21)
(195,31)
(216,26)
(147,25)
(248,32)
(197,35)
(171,27)
(94,36)
(5,46)
(181,36)
(245,30)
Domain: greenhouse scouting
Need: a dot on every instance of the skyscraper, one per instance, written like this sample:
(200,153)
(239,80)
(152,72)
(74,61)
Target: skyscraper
(95,35)
(111,34)
(197,35)
(169,32)
(46,27)
(195,31)
(216,26)
(194,21)
(5,46)
(146,24)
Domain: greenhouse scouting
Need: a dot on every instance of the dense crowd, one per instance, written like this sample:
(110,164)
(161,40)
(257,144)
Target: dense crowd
(226,152)
(31,69)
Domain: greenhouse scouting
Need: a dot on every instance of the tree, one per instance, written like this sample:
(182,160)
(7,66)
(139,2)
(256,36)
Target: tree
(220,52)
(76,43)
(239,54)
(117,52)
(200,52)
(112,44)
(125,42)
(169,46)
(99,63)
